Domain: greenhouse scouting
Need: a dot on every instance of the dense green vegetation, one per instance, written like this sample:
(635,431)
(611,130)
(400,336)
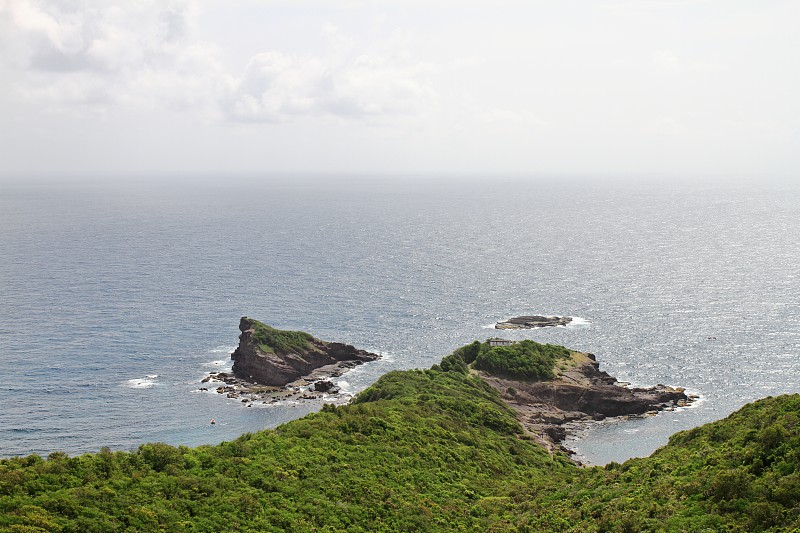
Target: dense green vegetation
(429,450)
(522,360)
(272,340)
(526,359)
(738,474)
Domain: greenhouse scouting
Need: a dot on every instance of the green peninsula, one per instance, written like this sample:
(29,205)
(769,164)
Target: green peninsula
(422,450)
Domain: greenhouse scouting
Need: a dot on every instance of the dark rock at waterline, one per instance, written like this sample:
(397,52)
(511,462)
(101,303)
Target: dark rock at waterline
(556,433)
(579,392)
(532,322)
(325,385)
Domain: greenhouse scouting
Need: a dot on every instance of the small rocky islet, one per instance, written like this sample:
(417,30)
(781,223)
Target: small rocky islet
(533,322)
(271,365)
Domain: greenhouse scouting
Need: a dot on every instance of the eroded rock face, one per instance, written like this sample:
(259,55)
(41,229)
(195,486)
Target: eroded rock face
(579,392)
(535,321)
(254,365)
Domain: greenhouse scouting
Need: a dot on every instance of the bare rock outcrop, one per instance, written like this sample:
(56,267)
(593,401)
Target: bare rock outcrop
(580,391)
(255,362)
(532,322)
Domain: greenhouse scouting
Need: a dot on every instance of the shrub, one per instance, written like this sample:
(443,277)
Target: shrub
(525,360)
(270,339)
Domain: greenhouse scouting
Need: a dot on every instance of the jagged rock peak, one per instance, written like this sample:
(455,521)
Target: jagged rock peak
(270,356)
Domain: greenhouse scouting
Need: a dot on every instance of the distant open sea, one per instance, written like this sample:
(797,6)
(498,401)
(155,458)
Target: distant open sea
(116,300)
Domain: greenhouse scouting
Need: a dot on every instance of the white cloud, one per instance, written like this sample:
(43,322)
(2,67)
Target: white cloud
(667,60)
(522,118)
(353,80)
(146,53)
(76,56)
(454,87)
(91,35)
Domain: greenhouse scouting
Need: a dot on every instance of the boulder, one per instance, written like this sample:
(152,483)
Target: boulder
(324,385)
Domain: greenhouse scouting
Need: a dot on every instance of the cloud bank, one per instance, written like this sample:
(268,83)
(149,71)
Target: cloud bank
(349,83)
(600,87)
(147,53)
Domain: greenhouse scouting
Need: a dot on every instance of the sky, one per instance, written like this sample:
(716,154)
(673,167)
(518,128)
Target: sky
(684,88)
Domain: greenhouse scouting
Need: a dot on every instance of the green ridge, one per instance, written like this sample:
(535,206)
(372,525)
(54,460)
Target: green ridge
(526,359)
(432,450)
(271,340)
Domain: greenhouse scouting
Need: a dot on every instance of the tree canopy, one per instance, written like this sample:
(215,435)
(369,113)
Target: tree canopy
(432,450)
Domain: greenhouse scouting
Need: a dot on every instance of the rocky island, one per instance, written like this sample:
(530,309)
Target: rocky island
(272,364)
(533,322)
(270,356)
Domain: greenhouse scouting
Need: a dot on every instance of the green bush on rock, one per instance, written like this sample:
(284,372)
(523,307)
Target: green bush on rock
(526,359)
(272,340)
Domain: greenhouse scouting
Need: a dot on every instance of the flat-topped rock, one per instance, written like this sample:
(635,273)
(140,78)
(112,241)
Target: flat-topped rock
(534,321)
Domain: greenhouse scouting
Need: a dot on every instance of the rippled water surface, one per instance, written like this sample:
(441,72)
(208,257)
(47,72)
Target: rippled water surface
(116,300)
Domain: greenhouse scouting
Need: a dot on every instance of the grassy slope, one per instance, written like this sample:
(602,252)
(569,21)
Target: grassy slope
(271,340)
(418,451)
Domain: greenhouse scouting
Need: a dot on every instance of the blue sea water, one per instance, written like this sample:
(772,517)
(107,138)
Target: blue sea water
(116,300)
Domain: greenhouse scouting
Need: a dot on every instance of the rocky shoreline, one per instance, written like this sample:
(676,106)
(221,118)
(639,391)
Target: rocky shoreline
(316,386)
(533,322)
(580,393)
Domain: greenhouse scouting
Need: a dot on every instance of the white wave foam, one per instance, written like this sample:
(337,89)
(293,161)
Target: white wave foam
(223,349)
(578,321)
(215,364)
(141,383)
(385,356)
(695,402)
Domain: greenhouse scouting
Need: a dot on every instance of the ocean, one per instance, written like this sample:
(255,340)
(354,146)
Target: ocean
(117,299)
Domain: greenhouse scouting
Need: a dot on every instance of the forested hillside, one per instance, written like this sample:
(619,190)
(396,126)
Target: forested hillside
(433,450)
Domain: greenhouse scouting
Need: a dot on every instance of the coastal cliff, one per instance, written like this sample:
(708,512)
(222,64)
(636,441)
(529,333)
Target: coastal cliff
(579,391)
(550,386)
(270,356)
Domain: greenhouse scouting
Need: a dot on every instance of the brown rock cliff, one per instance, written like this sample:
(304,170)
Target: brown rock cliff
(251,362)
(580,391)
